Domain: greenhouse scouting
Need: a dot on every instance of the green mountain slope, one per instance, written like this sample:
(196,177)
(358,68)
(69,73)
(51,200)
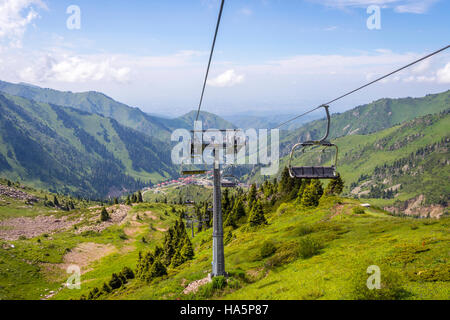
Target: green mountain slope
(372,117)
(411,159)
(73,151)
(316,253)
(99,103)
(209,120)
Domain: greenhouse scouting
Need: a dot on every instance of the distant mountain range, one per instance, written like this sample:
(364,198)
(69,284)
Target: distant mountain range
(98,103)
(89,144)
(85,143)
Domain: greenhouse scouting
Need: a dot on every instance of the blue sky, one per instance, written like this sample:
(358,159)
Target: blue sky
(282,55)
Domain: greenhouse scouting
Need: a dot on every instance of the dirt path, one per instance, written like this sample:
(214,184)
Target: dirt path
(82,256)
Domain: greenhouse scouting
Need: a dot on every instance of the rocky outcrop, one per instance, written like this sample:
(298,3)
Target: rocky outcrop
(416,207)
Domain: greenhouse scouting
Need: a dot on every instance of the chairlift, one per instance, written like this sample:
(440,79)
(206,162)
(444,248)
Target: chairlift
(229,180)
(194,168)
(315,172)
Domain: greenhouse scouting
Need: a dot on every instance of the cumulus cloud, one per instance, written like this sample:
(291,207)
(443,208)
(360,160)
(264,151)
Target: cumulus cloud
(15,16)
(443,75)
(67,68)
(227,79)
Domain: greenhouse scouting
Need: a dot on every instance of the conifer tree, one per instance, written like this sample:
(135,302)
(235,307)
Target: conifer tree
(252,194)
(285,185)
(157,269)
(302,188)
(256,217)
(55,201)
(312,194)
(335,187)
(139,197)
(177,259)
(104,216)
(187,252)
(116,201)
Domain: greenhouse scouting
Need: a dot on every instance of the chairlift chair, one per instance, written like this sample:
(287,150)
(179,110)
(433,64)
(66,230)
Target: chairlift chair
(315,172)
(229,181)
(194,169)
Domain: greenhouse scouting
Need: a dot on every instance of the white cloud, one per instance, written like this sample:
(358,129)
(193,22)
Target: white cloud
(72,68)
(227,79)
(332,28)
(15,16)
(443,75)
(400,6)
(246,11)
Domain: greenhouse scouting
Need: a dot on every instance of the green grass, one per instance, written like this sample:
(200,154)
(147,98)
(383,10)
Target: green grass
(344,243)
(316,254)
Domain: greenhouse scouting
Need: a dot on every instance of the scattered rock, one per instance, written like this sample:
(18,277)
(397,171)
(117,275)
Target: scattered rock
(33,227)
(194,286)
(13,193)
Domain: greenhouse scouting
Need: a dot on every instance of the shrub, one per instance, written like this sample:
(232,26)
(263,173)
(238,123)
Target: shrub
(127,273)
(233,283)
(390,286)
(268,249)
(304,230)
(358,210)
(285,254)
(204,292)
(438,273)
(218,283)
(309,247)
(115,282)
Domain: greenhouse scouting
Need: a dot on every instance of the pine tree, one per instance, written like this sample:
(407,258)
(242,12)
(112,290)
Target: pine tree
(115,282)
(104,216)
(116,201)
(140,200)
(239,209)
(157,269)
(335,187)
(187,252)
(302,188)
(256,217)
(286,182)
(230,221)
(55,201)
(106,288)
(177,260)
(312,194)
(252,194)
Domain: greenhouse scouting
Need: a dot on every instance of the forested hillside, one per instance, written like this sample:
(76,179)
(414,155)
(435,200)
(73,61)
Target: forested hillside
(72,151)
(394,166)
(99,103)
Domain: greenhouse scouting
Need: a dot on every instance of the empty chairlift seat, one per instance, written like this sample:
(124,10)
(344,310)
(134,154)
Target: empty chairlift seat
(314,172)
